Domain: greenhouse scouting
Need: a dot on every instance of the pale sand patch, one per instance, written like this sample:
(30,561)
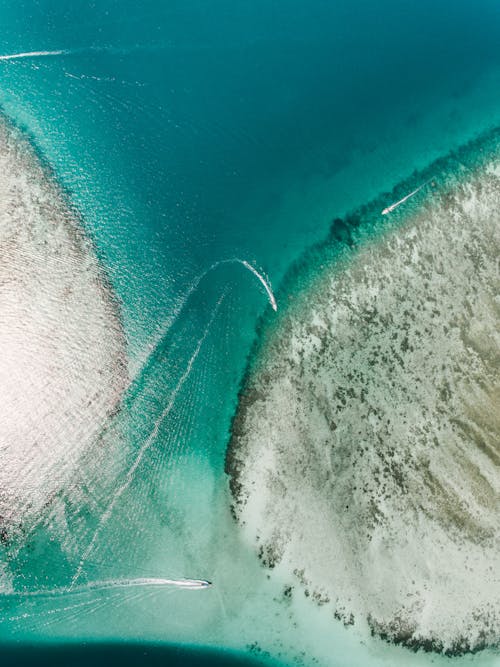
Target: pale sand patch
(62,349)
(365,453)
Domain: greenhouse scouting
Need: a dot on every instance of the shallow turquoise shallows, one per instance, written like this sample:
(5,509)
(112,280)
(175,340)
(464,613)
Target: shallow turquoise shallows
(205,147)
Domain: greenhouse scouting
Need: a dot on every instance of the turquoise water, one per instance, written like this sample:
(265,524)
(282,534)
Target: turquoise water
(186,134)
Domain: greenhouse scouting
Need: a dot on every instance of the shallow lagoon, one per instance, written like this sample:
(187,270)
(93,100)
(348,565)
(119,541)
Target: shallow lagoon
(184,137)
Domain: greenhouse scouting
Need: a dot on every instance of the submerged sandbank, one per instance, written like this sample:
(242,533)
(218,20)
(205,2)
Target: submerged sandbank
(364,455)
(62,351)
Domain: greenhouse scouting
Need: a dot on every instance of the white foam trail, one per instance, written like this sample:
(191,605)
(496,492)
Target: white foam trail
(33,54)
(131,472)
(68,52)
(144,448)
(151,582)
(247,265)
(63,52)
(192,288)
(191,584)
(102,79)
(266,284)
(391,208)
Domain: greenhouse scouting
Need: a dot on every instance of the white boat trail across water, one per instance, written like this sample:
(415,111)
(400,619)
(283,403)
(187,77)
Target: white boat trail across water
(235,260)
(34,54)
(68,52)
(391,207)
(143,449)
(113,584)
(192,288)
(265,282)
(154,433)
(63,52)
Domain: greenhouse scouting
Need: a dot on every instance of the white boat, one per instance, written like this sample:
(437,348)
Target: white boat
(391,208)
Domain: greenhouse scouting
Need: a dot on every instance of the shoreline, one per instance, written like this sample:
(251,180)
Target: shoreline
(82,236)
(468,162)
(329,252)
(66,309)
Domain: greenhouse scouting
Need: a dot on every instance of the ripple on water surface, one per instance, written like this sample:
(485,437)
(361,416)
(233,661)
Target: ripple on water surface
(364,454)
(62,367)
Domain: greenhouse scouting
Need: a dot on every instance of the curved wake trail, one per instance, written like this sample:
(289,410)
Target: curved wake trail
(194,286)
(265,282)
(144,448)
(235,260)
(154,433)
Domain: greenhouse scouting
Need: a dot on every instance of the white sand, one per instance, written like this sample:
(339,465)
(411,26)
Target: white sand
(62,367)
(368,445)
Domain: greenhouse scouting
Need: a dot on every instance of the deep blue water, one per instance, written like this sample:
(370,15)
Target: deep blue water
(122,655)
(186,133)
